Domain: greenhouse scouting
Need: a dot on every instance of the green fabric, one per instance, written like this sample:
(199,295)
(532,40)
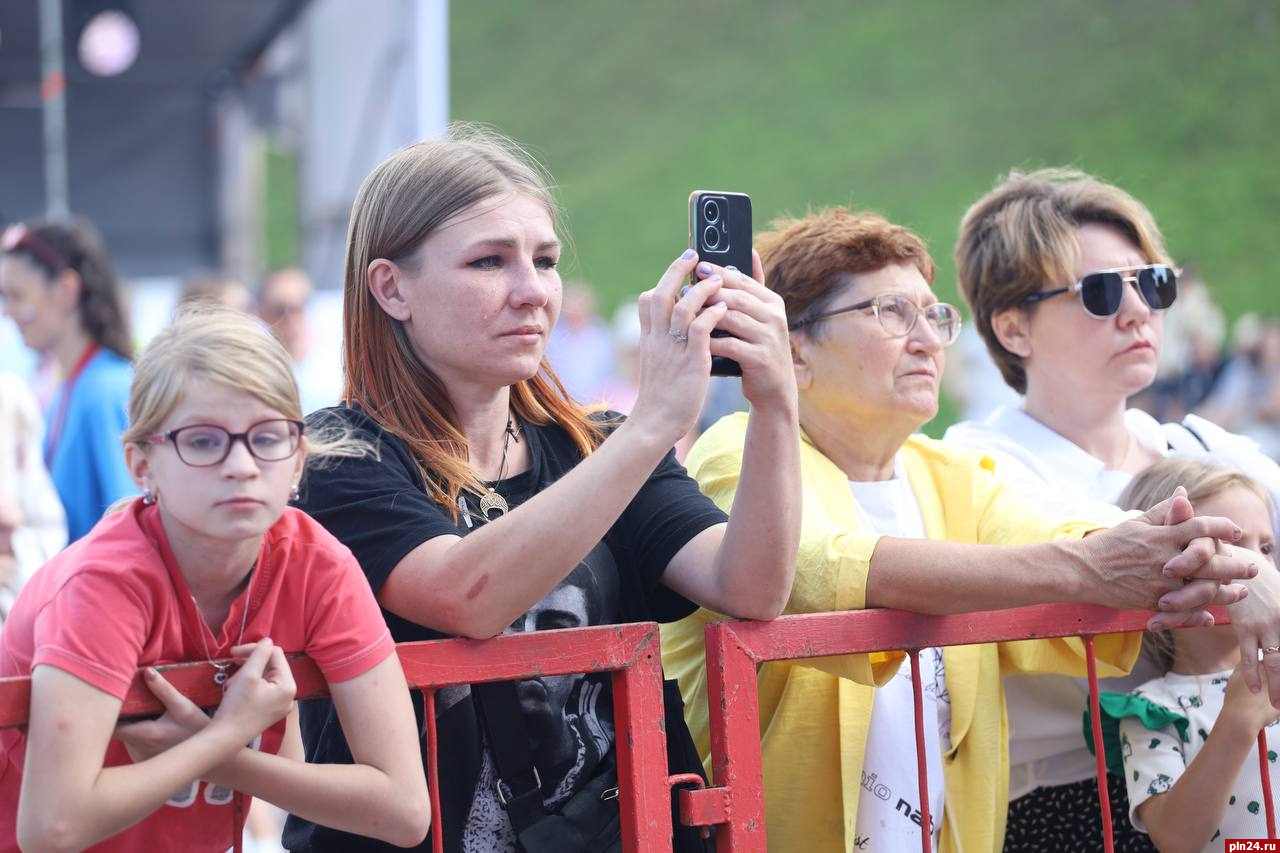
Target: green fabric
(1115,707)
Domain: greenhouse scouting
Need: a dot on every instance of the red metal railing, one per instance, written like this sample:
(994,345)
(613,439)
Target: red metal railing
(735,801)
(734,650)
(630,652)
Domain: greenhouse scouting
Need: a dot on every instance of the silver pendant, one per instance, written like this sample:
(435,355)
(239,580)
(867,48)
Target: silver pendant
(220,677)
(491,501)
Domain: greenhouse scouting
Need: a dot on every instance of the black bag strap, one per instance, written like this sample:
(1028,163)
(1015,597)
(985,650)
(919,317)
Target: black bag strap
(519,785)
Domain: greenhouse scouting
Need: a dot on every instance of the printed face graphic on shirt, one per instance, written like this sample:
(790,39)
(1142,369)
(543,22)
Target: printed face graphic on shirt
(544,700)
(569,717)
(560,711)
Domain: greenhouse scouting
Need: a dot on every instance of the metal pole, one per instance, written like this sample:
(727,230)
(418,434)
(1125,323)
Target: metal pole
(53,89)
(431,67)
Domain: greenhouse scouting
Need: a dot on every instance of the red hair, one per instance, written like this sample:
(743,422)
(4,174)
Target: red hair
(809,260)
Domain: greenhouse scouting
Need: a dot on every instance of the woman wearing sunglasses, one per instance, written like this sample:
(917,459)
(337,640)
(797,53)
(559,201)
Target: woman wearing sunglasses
(1068,280)
(894,519)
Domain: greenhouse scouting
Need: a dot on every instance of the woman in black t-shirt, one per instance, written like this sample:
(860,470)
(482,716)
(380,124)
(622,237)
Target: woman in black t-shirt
(496,502)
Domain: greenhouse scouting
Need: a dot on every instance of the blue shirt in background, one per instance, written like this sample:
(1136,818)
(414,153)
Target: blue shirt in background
(87,462)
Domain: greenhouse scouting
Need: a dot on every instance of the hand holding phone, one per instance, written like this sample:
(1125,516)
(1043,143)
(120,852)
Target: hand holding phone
(720,232)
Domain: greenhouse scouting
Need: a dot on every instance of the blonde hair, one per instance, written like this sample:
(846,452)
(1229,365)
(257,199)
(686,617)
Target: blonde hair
(1021,236)
(400,204)
(209,342)
(1203,481)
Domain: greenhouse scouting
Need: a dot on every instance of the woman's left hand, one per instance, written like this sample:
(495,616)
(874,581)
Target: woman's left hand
(181,719)
(757,323)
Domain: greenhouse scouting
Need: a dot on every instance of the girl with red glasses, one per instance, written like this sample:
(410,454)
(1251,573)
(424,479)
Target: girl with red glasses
(210,564)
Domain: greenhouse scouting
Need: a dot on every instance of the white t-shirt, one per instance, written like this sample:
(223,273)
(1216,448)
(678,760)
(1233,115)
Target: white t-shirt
(1154,760)
(1046,744)
(889,816)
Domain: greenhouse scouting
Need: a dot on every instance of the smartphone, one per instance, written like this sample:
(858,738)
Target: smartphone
(720,232)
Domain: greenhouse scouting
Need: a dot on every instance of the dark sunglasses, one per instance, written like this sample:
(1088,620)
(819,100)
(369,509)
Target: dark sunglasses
(1102,292)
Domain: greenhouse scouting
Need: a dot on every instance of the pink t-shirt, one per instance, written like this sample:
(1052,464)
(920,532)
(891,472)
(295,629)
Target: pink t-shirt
(115,601)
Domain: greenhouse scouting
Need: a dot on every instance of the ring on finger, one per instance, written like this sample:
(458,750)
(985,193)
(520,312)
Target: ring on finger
(1270,650)
(680,337)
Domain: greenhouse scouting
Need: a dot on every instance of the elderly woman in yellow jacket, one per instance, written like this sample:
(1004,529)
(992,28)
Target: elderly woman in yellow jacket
(839,766)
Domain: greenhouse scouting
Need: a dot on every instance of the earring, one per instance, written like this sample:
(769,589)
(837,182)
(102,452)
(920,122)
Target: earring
(294,494)
(148,496)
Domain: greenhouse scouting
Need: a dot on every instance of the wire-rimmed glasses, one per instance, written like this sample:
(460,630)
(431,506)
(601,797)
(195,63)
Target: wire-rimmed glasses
(897,314)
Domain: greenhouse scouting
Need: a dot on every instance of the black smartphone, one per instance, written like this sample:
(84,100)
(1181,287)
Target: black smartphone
(720,232)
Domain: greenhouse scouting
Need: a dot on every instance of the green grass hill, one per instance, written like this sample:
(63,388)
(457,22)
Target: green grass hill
(912,109)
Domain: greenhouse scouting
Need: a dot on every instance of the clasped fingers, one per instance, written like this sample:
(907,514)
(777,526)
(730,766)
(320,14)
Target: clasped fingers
(1209,559)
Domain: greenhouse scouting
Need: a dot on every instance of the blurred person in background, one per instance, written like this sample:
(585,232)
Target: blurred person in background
(1068,281)
(1246,397)
(972,380)
(59,288)
(621,389)
(215,287)
(581,349)
(1190,359)
(496,503)
(33,526)
(282,304)
(898,520)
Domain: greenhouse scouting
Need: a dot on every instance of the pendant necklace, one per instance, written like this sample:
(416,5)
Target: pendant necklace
(220,677)
(491,500)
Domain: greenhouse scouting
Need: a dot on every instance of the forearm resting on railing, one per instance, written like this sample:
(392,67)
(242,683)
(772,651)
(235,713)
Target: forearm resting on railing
(1187,815)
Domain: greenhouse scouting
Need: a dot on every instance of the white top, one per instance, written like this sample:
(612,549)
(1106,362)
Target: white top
(1046,744)
(25,482)
(1154,760)
(889,816)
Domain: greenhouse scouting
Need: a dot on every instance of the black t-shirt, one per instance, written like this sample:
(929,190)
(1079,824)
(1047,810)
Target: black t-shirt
(379,508)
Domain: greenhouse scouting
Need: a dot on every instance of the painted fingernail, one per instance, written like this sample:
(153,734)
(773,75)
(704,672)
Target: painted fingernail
(704,268)
(688,255)
(683,291)
(715,279)
(732,267)
(152,673)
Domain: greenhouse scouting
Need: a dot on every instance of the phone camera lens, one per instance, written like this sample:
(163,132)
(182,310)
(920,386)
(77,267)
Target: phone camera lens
(711,237)
(711,211)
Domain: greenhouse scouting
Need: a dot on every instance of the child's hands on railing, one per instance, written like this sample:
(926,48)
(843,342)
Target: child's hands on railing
(260,693)
(181,719)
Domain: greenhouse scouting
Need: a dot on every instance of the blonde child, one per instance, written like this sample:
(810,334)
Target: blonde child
(1187,751)
(210,563)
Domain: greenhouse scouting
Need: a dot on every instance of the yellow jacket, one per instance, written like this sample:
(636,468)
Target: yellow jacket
(814,714)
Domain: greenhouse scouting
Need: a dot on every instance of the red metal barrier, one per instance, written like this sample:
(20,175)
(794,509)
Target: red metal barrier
(735,802)
(735,649)
(630,652)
